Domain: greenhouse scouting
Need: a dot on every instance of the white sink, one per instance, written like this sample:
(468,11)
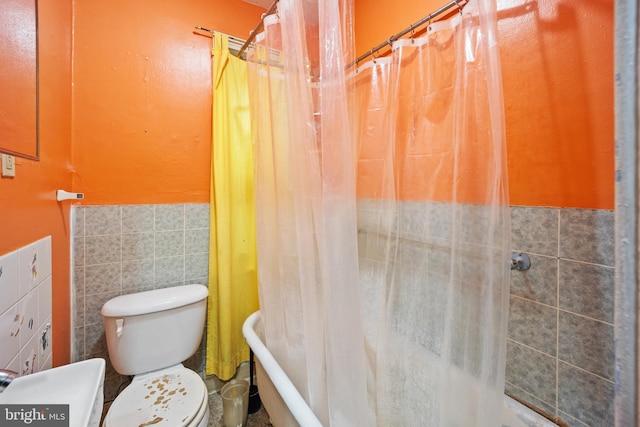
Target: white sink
(78,384)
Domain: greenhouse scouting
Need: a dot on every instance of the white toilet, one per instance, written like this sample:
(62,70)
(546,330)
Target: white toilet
(149,335)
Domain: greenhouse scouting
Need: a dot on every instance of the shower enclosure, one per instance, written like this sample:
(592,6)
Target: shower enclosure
(382,216)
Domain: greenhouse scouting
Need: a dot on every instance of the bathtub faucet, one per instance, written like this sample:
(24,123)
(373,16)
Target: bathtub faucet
(520,261)
(6,377)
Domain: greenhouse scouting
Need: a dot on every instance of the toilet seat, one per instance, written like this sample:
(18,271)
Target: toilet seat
(175,397)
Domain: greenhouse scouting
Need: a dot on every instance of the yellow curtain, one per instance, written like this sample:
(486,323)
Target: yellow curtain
(233,288)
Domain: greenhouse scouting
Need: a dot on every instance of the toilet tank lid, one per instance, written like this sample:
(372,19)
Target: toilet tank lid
(153,301)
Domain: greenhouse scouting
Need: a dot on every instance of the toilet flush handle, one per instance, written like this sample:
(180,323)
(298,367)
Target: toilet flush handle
(119,327)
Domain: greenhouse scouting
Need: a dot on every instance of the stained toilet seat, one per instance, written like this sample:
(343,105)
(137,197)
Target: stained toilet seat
(175,397)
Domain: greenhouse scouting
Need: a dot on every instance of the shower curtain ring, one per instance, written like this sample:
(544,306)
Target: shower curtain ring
(458,4)
(373,55)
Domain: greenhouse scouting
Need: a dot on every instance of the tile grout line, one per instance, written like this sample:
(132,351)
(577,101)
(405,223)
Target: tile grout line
(560,361)
(84,284)
(577,261)
(560,309)
(531,348)
(600,377)
(184,244)
(120,208)
(557,408)
(155,266)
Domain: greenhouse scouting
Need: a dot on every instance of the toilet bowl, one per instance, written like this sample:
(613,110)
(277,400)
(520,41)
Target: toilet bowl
(149,334)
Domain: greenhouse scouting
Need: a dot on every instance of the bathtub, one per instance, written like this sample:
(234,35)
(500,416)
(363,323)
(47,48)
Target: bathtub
(286,407)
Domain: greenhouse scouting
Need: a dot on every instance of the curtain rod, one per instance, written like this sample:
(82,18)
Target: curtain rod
(409,29)
(388,42)
(252,34)
(255,31)
(234,42)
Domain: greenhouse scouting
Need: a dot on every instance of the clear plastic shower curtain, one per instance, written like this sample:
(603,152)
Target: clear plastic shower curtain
(382,218)
(442,248)
(305,206)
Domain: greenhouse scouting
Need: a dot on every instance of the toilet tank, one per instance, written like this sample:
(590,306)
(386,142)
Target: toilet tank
(155,329)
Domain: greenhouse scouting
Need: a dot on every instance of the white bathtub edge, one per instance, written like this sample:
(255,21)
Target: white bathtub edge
(289,393)
(514,414)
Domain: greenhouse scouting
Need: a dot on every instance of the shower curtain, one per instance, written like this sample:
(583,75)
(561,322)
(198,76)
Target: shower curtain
(233,289)
(382,217)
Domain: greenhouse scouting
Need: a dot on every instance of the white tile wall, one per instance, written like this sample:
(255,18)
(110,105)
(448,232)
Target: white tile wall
(9,289)
(25,308)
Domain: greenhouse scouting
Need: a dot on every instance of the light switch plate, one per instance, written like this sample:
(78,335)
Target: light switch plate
(8,165)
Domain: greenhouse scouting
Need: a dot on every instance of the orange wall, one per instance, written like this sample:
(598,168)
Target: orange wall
(28,209)
(140,121)
(557,69)
(142,97)
(142,106)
